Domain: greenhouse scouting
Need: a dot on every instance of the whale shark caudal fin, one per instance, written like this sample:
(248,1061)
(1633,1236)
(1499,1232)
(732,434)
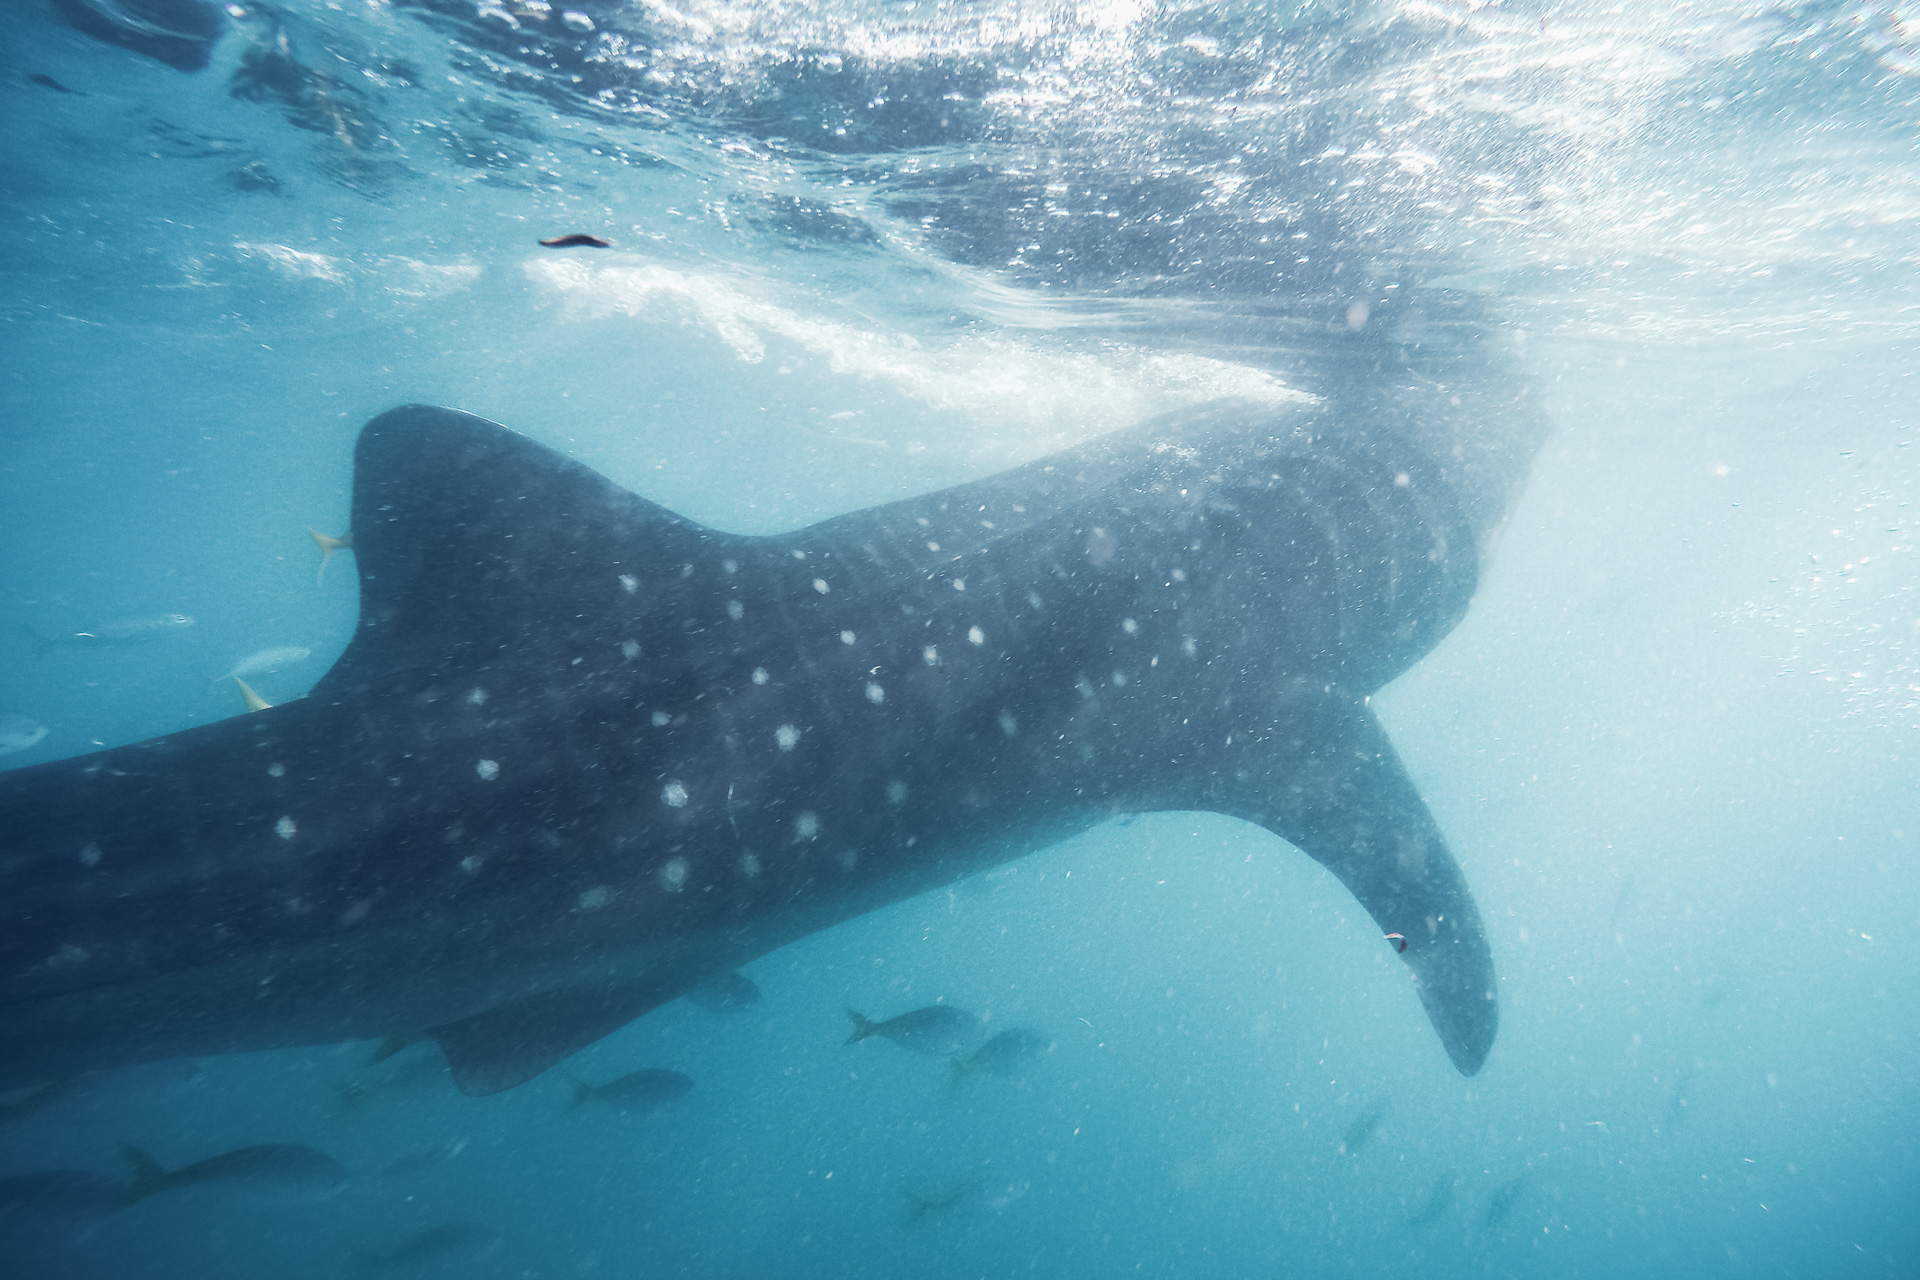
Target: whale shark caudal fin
(464,533)
(1321,774)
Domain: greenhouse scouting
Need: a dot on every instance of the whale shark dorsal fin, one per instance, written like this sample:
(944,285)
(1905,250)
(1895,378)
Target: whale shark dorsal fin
(465,533)
(511,1043)
(1321,774)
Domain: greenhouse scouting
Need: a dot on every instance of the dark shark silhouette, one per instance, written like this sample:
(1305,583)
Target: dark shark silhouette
(583,753)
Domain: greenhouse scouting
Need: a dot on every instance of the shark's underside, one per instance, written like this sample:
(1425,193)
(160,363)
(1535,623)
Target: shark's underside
(583,753)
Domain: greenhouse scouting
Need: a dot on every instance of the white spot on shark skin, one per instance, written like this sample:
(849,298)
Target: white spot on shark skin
(1033,598)
(736,610)
(629,583)
(807,826)
(896,792)
(846,637)
(976,635)
(285,828)
(90,856)
(478,697)
(1179,575)
(675,795)
(921,521)
(760,675)
(750,865)
(1188,647)
(1085,686)
(875,694)
(959,584)
(820,585)
(931,656)
(847,858)
(470,864)
(1008,725)
(1119,679)
(593,898)
(729,566)
(276,771)
(629,649)
(931,546)
(488,770)
(673,876)
(660,719)
(787,736)
(1129,626)
(799,555)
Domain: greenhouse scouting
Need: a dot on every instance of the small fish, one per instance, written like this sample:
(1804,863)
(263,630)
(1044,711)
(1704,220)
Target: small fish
(1502,1203)
(635,1093)
(920,1204)
(1439,1200)
(412,1166)
(55,1202)
(453,1243)
(726,992)
(277,1173)
(938,1029)
(390,1046)
(120,631)
(265,662)
(1004,1055)
(577,241)
(17,733)
(406,1075)
(253,700)
(328,545)
(18,1104)
(1360,1132)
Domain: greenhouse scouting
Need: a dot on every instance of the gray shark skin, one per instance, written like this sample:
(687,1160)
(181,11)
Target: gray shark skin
(583,753)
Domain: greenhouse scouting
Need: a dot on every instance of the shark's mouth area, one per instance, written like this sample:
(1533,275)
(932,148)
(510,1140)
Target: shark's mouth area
(583,752)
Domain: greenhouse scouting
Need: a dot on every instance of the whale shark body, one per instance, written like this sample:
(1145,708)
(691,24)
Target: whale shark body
(583,754)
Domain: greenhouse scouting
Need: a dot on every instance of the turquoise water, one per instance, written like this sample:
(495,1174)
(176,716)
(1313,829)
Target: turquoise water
(860,252)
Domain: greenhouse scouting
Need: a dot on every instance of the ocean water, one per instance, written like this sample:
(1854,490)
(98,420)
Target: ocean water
(1661,258)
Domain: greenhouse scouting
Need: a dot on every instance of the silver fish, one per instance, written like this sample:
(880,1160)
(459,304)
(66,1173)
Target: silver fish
(636,1092)
(119,631)
(265,660)
(17,733)
(445,1245)
(726,992)
(1004,1055)
(938,1029)
(277,1173)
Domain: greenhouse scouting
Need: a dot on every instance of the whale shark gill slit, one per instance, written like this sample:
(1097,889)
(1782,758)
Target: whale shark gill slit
(583,754)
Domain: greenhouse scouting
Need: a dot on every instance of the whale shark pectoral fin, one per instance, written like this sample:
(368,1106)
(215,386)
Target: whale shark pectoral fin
(511,1043)
(1325,778)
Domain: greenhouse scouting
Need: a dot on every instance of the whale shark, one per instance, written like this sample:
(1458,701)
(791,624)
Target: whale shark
(583,754)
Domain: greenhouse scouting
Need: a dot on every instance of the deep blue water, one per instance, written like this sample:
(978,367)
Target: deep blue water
(862,251)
